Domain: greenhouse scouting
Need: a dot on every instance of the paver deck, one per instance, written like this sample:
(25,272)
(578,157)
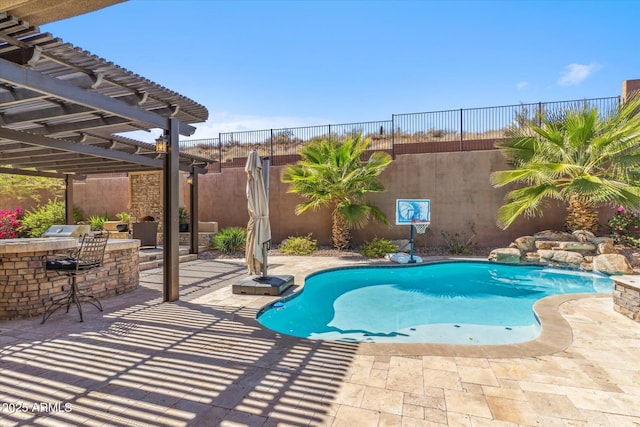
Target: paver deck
(205,361)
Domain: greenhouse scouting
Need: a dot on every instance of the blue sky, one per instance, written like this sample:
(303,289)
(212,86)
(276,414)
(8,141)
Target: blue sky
(273,64)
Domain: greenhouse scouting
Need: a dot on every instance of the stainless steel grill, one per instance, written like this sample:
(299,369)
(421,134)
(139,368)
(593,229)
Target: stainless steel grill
(67,230)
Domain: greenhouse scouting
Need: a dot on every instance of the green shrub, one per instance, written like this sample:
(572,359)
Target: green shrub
(97,222)
(459,243)
(299,245)
(377,248)
(38,220)
(625,228)
(230,240)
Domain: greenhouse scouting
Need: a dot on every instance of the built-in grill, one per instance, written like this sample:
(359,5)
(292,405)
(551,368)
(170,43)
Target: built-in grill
(67,230)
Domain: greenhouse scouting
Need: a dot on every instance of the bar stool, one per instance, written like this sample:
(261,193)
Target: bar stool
(89,255)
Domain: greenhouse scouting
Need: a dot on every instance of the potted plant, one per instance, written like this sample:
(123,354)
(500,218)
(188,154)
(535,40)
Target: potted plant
(124,219)
(183,220)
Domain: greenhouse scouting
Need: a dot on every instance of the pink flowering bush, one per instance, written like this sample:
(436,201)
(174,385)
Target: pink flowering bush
(10,223)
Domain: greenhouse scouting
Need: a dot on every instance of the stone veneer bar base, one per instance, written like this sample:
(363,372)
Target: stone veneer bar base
(626,296)
(25,283)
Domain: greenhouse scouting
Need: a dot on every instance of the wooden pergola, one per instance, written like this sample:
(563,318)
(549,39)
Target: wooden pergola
(63,110)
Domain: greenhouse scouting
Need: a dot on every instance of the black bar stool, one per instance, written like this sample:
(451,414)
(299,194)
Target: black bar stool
(90,255)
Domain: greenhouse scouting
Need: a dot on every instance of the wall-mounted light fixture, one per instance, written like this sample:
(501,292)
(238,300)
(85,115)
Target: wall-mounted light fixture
(161,144)
(190,179)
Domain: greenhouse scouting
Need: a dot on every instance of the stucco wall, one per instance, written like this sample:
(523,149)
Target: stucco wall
(457,183)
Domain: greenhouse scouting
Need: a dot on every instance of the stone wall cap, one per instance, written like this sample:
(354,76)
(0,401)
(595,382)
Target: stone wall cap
(630,280)
(120,244)
(37,244)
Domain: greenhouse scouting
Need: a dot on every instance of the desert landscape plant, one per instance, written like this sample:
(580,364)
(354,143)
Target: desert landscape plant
(580,156)
(298,245)
(332,174)
(230,240)
(377,248)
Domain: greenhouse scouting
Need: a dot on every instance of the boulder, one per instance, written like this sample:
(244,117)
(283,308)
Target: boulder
(525,243)
(612,264)
(597,240)
(559,236)
(583,235)
(505,256)
(606,248)
(531,258)
(562,258)
(546,244)
(582,246)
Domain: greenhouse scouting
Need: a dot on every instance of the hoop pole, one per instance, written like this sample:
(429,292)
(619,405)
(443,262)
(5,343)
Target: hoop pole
(411,259)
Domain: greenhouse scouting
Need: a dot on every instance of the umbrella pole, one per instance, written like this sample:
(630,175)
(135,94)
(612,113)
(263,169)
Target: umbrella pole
(265,178)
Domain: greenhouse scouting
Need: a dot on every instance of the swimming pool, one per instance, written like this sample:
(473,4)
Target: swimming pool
(449,302)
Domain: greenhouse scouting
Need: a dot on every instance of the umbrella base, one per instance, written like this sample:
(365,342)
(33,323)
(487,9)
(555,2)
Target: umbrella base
(267,285)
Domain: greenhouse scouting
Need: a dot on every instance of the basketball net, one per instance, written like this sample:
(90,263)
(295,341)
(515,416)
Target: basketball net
(420,225)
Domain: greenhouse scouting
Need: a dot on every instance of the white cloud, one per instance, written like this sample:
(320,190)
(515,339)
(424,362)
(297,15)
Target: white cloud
(574,74)
(521,85)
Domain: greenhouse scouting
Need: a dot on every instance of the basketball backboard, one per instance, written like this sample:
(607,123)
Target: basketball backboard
(408,210)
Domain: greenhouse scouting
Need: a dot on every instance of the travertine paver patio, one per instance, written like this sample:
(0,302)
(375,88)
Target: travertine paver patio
(205,361)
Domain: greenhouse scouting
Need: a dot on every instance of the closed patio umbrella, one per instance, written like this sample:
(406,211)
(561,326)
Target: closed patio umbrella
(258,228)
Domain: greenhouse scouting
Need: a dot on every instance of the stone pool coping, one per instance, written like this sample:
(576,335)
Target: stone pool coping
(555,335)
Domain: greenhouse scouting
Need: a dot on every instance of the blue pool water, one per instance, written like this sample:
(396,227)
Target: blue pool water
(451,302)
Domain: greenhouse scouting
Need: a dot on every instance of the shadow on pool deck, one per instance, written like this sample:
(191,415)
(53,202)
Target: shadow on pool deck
(204,360)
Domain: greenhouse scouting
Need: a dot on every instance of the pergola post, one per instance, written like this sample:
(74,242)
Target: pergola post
(193,208)
(68,199)
(171,277)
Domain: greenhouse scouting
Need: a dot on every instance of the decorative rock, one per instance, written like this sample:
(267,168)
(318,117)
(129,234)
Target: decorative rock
(582,246)
(525,243)
(612,264)
(505,256)
(597,240)
(583,235)
(635,259)
(553,235)
(531,258)
(546,244)
(606,248)
(563,258)
(586,266)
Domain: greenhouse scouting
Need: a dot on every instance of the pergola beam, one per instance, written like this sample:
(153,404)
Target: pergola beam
(33,80)
(24,172)
(78,148)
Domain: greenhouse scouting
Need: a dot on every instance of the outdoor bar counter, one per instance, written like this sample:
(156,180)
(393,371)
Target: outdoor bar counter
(25,283)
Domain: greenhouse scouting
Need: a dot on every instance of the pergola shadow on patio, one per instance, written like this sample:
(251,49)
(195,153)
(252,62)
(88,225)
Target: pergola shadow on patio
(194,362)
(63,112)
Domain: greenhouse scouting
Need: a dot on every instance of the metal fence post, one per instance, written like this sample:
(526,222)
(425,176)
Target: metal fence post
(393,136)
(220,149)
(271,144)
(539,114)
(461,127)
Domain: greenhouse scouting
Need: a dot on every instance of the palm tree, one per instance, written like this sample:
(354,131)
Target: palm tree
(577,156)
(332,174)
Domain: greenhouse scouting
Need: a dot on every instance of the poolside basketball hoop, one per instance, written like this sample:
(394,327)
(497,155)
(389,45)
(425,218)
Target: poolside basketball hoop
(417,214)
(420,225)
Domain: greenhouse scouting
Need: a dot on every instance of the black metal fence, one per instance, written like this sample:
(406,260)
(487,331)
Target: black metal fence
(438,131)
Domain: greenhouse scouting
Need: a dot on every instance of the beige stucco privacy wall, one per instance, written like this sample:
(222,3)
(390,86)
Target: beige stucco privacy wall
(457,184)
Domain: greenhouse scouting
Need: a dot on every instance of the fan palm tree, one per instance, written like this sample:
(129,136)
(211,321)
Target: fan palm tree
(578,156)
(332,174)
